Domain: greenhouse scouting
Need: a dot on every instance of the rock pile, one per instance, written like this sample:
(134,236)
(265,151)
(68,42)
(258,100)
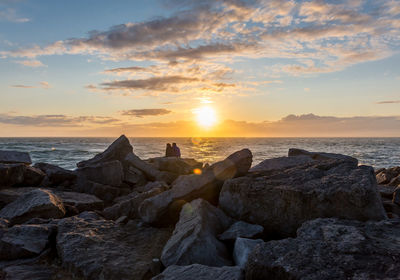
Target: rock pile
(310,215)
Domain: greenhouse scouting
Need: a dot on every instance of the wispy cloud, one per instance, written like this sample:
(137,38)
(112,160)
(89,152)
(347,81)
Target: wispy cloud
(389,102)
(31,63)
(10,14)
(22,86)
(140,113)
(42,84)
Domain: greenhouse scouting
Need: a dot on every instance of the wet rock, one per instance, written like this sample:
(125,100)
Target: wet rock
(194,238)
(55,174)
(116,151)
(200,272)
(39,203)
(94,248)
(241,229)
(320,156)
(331,249)
(189,187)
(281,201)
(23,241)
(15,157)
(176,165)
(106,173)
(128,206)
(281,163)
(242,249)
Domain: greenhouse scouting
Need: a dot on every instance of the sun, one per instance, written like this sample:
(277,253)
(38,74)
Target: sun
(206,116)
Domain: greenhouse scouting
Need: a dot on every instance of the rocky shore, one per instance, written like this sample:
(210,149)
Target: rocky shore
(310,215)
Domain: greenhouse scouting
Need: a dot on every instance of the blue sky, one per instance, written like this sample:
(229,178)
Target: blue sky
(143,67)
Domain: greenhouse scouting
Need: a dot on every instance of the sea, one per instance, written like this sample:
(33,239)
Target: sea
(66,152)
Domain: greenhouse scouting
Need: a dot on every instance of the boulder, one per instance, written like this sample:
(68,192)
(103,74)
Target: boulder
(39,203)
(242,249)
(29,272)
(150,171)
(128,205)
(194,239)
(281,163)
(106,173)
(281,201)
(23,241)
(331,249)
(19,174)
(116,151)
(152,185)
(241,229)
(11,194)
(55,174)
(93,248)
(176,165)
(104,192)
(15,157)
(391,207)
(134,176)
(81,201)
(395,181)
(189,187)
(385,176)
(320,156)
(396,196)
(200,272)
(386,191)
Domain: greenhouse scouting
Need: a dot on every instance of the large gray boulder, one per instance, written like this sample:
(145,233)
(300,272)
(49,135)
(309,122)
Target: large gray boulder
(104,192)
(19,174)
(194,239)
(23,241)
(176,165)
(55,174)
(106,173)
(281,201)
(189,187)
(241,229)
(321,156)
(281,163)
(9,195)
(116,151)
(39,203)
(94,248)
(80,201)
(331,249)
(200,272)
(15,157)
(31,271)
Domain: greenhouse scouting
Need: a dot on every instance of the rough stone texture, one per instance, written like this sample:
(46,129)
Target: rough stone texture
(189,187)
(320,156)
(134,176)
(55,174)
(128,206)
(194,238)
(15,157)
(29,272)
(38,203)
(23,241)
(106,173)
(395,181)
(281,163)
(391,207)
(177,165)
(152,185)
(11,194)
(386,191)
(81,201)
(200,272)
(241,229)
(94,248)
(331,249)
(104,192)
(116,151)
(396,196)
(19,174)
(242,249)
(281,201)
(150,171)
(386,176)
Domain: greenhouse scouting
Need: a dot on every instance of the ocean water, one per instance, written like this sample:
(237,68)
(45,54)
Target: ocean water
(66,152)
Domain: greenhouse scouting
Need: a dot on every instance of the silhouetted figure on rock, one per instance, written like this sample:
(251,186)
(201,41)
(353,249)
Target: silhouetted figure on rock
(169,151)
(177,151)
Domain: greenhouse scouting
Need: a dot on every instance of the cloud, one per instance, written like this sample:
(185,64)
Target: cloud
(22,86)
(55,120)
(31,63)
(45,84)
(10,14)
(42,84)
(140,113)
(389,102)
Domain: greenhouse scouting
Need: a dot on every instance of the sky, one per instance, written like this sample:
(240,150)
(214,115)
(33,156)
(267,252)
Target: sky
(256,68)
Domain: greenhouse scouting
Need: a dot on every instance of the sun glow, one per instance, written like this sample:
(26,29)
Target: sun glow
(206,116)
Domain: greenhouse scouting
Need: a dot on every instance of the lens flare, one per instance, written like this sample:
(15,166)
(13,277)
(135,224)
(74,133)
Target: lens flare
(206,116)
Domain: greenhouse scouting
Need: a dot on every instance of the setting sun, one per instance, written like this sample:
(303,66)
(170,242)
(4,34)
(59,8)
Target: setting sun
(206,116)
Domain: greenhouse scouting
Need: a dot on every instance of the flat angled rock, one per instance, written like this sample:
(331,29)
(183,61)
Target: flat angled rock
(116,151)
(55,174)
(81,201)
(94,248)
(241,229)
(194,238)
(11,174)
(15,157)
(331,249)
(106,173)
(281,163)
(29,272)
(321,155)
(200,272)
(281,201)
(39,203)
(177,165)
(189,187)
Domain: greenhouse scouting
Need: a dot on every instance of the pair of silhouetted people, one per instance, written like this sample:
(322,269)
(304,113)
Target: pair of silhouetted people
(172,151)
